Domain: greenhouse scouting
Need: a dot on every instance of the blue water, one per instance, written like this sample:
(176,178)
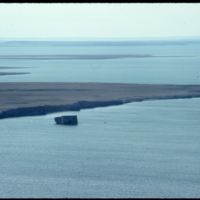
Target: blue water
(141,149)
(178,70)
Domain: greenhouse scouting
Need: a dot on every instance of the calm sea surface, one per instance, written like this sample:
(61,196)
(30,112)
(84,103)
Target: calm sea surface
(141,149)
(183,69)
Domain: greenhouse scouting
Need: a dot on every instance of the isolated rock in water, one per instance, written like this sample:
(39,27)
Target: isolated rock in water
(67,120)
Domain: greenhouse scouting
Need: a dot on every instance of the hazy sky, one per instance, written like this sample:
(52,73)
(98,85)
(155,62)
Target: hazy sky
(99,20)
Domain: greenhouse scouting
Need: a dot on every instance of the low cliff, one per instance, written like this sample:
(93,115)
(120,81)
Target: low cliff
(46,109)
(31,99)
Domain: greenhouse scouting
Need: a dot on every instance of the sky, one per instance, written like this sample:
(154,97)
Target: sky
(99,20)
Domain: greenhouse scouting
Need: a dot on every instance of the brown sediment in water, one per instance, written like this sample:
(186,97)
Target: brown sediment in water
(36,98)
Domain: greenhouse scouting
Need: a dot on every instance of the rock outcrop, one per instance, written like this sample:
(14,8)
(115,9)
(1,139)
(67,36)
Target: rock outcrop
(67,120)
(46,109)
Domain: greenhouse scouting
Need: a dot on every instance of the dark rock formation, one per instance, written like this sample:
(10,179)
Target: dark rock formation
(77,106)
(46,109)
(67,120)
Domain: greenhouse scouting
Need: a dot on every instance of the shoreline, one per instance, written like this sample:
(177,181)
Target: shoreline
(34,99)
(77,106)
(13,73)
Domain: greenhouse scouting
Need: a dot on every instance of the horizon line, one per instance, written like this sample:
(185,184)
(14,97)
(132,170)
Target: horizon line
(98,38)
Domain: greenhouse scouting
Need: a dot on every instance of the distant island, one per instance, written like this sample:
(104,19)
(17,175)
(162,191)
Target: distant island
(36,98)
(13,73)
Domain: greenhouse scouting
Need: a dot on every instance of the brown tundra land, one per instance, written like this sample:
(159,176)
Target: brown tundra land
(27,99)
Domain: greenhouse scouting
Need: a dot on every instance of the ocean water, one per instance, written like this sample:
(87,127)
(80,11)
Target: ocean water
(163,67)
(140,149)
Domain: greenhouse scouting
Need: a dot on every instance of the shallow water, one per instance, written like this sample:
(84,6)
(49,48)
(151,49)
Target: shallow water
(177,70)
(141,149)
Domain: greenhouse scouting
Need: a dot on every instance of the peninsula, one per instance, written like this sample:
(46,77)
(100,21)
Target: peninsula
(40,98)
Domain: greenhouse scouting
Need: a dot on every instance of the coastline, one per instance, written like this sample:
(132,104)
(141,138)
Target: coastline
(6,73)
(13,73)
(32,99)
